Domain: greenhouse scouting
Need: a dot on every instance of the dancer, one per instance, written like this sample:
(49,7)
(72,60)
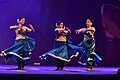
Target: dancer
(63,49)
(23,46)
(89,57)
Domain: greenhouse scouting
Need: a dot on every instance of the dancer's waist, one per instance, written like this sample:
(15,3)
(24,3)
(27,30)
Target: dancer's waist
(20,37)
(61,38)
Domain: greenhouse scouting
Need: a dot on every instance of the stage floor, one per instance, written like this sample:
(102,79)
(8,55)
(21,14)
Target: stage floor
(9,69)
(50,71)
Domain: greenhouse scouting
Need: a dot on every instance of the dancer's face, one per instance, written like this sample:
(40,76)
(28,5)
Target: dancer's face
(88,22)
(22,21)
(60,25)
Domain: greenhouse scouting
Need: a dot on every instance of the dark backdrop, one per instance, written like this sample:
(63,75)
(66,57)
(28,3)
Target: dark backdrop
(43,14)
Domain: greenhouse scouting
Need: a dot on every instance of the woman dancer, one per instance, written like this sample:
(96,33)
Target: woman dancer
(89,57)
(23,46)
(63,49)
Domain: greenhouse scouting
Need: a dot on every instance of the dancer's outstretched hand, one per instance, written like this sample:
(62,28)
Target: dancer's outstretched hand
(31,26)
(77,31)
